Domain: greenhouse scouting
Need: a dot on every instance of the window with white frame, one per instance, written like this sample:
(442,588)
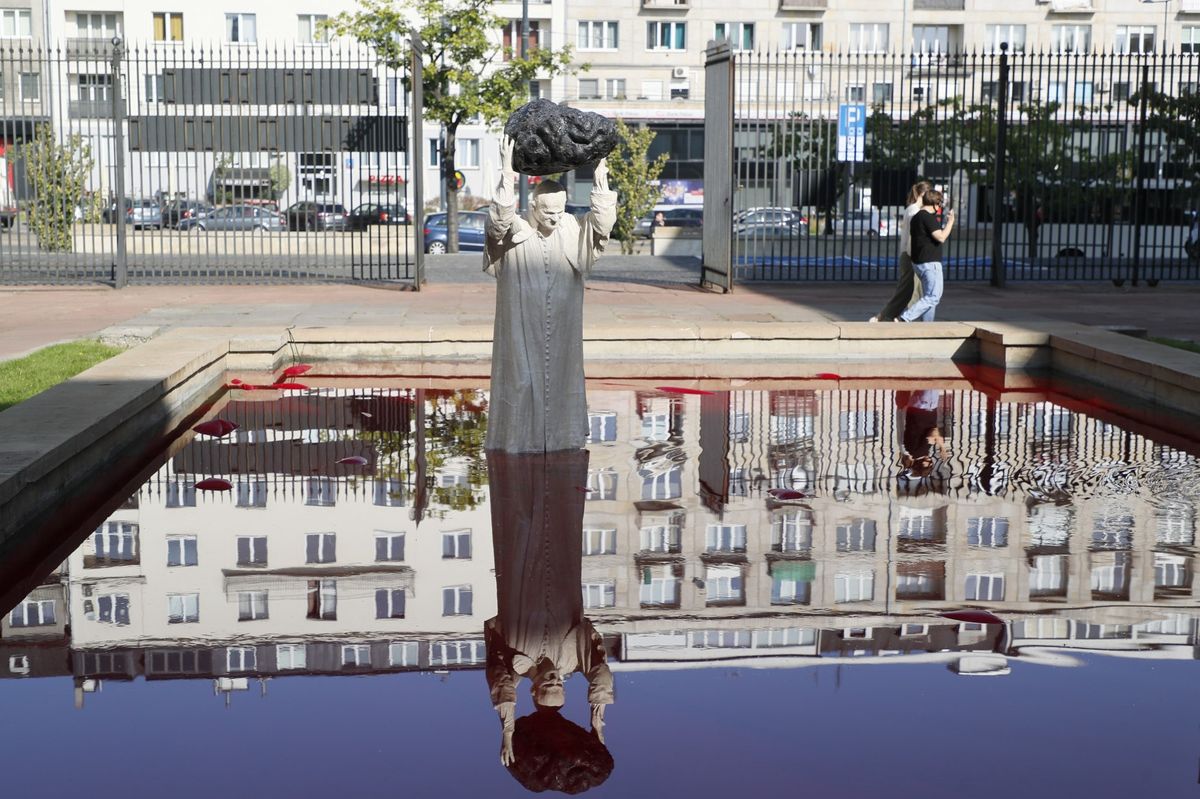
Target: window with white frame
(881,93)
(857,535)
(1171,571)
(1050,525)
(656,426)
(467,155)
(659,587)
(252,550)
(168,26)
(589,88)
(1112,528)
(252,605)
(181,550)
(322,599)
(320,548)
(599,541)
(792,530)
(740,35)
(389,603)
(92,88)
(917,524)
(309,29)
(389,547)
(660,537)
(739,426)
(1189,40)
(724,583)
(241,28)
(596,34)
(290,656)
(511,37)
(116,541)
(320,491)
(996,35)
(1134,39)
(15,23)
(791,584)
(666,35)
(858,586)
(1174,525)
(1110,573)
(985,587)
(457,600)
(155,91)
(662,485)
(725,538)
(914,584)
(602,426)
(457,653)
(857,425)
(614,88)
(109,609)
(787,429)
(599,595)
(931,40)
(1042,628)
(356,655)
(869,37)
(434,148)
(404,653)
(856,93)
(389,493)
(1047,575)
(250,493)
(181,494)
(802,36)
(183,608)
(241,658)
(33,613)
(102,26)
(456,545)
(987,531)
(720,639)
(601,484)
(1070,38)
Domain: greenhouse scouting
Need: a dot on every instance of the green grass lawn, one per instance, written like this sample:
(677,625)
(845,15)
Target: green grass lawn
(1180,344)
(33,374)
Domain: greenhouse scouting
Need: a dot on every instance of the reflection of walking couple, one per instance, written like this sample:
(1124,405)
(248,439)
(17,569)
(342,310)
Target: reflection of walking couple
(919,283)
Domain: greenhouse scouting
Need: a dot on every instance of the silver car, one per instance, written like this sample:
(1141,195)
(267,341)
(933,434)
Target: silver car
(143,214)
(236,217)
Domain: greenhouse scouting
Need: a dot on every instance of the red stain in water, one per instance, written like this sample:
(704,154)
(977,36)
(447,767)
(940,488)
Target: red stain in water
(216,428)
(678,390)
(786,493)
(290,386)
(973,616)
(298,369)
(214,484)
(584,490)
(235,382)
(353,460)
(828,376)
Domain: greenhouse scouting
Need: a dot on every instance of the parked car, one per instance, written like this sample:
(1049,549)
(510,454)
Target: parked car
(8,218)
(776,216)
(866,222)
(179,210)
(310,215)
(768,231)
(672,217)
(236,217)
(369,214)
(470,232)
(144,214)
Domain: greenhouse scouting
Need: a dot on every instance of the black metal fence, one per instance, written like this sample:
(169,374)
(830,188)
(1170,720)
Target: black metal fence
(1059,166)
(177,162)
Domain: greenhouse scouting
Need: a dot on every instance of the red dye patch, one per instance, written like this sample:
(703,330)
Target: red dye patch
(298,369)
(353,460)
(678,390)
(289,386)
(214,484)
(786,494)
(828,376)
(216,428)
(973,616)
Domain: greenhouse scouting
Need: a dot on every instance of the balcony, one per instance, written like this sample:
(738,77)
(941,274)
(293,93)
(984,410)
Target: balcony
(90,47)
(939,5)
(90,109)
(667,5)
(803,5)
(1071,7)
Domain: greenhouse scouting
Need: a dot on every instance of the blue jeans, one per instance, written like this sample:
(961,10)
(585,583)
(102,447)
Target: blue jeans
(930,275)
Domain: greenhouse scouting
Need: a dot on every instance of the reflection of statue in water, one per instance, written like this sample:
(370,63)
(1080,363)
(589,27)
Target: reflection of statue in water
(922,446)
(540,264)
(539,631)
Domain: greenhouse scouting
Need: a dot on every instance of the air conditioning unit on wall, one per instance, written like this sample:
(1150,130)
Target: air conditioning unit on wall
(679,73)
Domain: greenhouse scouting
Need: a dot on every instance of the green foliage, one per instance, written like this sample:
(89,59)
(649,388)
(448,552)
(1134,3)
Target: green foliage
(279,176)
(1177,118)
(58,174)
(801,142)
(632,175)
(22,378)
(465,76)
(221,195)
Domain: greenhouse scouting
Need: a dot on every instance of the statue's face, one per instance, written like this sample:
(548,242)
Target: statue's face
(548,210)
(548,688)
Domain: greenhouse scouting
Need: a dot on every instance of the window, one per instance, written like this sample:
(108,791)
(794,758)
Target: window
(662,485)
(389,493)
(589,89)
(309,29)
(792,530)
(181,495)
(321,548)
(1171,571)
(1083,91)
(660,538)
(456,545)
(389,547)
(468,153)
(931,40)
(1070,38)
(996,35)
(116,542)
(659,587)
(109,609)
(662,35)
(802,36)
(791,583)
(740,35)
(252,550)
(456,600)
(356,655)
(599,595)
(241,658)
(33,613)
(602,484)
(15,23)
(181,550)
(100,26)
(290,656)
(252,605)
(869,37)
(724,583)
(881,92)
(389,603)
(250,493)
(856,93)
(322,599)
(434,148)
(457,653)
(602,426)
(30,87)
(168,26)
(1112,528)
(1189,40)
(985,587)
(725,538)
(1134,39)
(599,541)
(394,90)
(511,34)
(320,491)
(856,536)
(596,35)
(240,28)
(1174,524)
(183,608)
(1110,574)
(987,531)
(404,653)
(857,425)
(1047,576)
(614,88)
(854,586)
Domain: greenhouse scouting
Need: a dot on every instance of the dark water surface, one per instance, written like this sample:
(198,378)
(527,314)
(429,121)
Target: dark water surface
(326,629)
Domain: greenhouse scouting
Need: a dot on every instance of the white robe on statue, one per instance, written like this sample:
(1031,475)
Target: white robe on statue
(537,391)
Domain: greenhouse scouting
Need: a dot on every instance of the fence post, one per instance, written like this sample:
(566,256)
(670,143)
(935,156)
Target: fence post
(716,269)
(1138,195)
(121,263)
(999,190)
(416,163)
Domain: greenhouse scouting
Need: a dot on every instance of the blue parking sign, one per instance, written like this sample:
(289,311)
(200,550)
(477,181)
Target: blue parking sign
(852,131)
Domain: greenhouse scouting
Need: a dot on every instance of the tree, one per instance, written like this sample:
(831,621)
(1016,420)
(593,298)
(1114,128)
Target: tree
(1177,118)
(58,175)
(804,146)
(279,176)
(465,75)
(632,175)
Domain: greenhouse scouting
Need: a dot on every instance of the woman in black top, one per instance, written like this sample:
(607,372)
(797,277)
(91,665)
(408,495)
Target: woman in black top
(927,238)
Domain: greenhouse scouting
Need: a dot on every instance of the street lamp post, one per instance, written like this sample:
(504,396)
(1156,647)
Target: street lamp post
(1166,4)
(523,191)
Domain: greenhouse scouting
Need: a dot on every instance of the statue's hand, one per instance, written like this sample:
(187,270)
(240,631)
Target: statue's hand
(598,721)
(601,175)
(506,154)
(506,749)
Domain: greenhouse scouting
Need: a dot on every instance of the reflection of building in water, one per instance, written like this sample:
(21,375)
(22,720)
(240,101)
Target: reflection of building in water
(1079,533)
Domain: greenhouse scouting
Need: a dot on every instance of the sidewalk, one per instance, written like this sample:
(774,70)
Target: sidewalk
(35,317)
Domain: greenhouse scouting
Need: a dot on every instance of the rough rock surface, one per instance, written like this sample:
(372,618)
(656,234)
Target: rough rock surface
(550,138)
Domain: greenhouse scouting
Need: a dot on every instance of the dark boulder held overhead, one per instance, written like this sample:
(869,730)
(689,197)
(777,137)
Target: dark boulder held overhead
(549,138)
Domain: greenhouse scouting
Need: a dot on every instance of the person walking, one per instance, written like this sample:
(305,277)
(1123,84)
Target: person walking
(908,289)
(927,239)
